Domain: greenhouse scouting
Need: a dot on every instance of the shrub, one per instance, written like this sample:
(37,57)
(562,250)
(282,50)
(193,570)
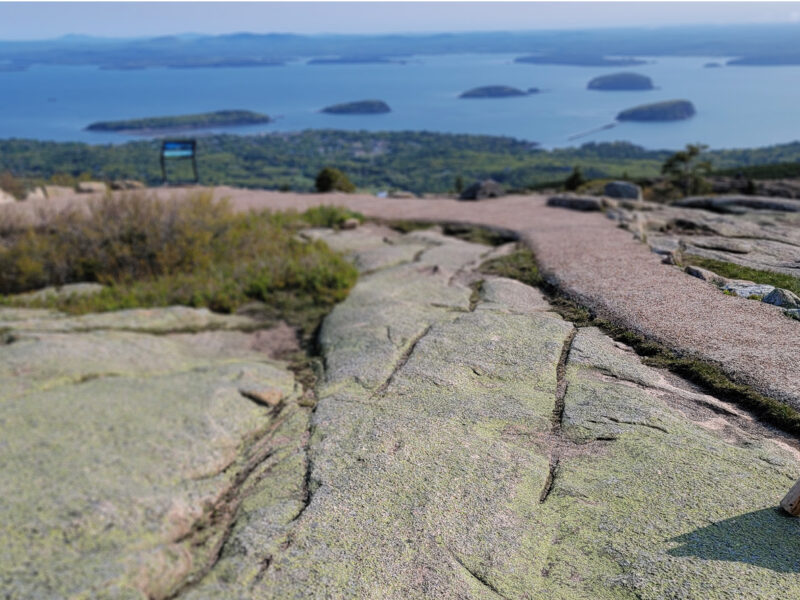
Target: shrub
(333,180)
(12,185)
(329,216)
(575,180)
(195,252)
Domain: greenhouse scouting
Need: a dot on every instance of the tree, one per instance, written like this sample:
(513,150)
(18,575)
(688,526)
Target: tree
(459,184)
(686,170)
(330,180)
(575,180)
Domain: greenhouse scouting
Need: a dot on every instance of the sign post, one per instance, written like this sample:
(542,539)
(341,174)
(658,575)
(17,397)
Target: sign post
(178,150)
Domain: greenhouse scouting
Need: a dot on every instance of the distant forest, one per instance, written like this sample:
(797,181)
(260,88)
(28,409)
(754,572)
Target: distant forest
(420,162)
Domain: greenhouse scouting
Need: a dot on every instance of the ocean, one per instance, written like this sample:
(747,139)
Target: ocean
(736,106)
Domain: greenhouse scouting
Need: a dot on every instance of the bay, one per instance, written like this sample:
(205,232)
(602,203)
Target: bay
(737,107)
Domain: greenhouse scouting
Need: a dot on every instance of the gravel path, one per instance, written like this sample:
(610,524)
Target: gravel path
(603,267)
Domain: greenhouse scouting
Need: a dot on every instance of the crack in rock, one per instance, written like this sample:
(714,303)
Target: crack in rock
(477,577)
(558,415)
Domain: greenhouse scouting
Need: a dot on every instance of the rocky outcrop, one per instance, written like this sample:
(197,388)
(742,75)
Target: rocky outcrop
(581,203)
(6,198)
(482,190)
(623,190)
(739,204)
(125,455)
(782,298)
(91,187)
(476,445)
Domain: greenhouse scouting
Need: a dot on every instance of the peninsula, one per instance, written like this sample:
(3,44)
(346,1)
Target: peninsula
(496,91)
(579,60)
(620,82)
(361,107)
(220,118)
(355,60)
(671,110)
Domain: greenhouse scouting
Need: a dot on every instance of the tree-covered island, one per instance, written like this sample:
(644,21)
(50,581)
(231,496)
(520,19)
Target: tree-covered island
(620,81)
(496,91)
(220,118)
(671,110)
(361,107)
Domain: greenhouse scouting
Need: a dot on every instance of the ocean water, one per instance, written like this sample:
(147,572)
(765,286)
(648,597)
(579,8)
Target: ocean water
(736,106)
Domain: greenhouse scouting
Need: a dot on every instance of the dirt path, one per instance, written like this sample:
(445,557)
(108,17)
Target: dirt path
(591,259)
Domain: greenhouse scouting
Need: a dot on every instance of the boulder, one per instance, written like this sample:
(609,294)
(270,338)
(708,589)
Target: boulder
(582,203)
(747,289)
(783,298)
(351,223)
(55,191)
(37,193)
(6,198)
(481,190)
(401,194)
(623,189)
(127,184)
(706,275)
(91,187)
(64,291)
(723,244)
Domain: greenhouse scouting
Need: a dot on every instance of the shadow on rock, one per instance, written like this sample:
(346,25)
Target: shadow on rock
(766,538)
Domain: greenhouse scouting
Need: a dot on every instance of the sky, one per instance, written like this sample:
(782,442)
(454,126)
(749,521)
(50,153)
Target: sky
(44,20)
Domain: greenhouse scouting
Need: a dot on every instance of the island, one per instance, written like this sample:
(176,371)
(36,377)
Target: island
(579,60)
(766,60)
(671,110)
(712,65)
(220,118)
(355,60)
(496,91)
(620,81)
(362,107)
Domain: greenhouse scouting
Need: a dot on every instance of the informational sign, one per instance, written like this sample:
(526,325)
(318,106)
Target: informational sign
(178,150)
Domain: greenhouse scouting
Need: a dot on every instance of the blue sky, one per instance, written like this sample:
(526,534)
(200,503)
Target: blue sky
(41,20)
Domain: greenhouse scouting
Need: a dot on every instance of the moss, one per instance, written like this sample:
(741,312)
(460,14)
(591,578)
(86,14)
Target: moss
(521,265)
(734,271)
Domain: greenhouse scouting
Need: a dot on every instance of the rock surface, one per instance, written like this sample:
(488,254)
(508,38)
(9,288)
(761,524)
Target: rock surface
(485,448)
(482,190)
(582,203)
(125,454)
(91,187)
(623,189)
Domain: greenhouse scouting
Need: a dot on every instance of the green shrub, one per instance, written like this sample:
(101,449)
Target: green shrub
(329,216)
(333,180)
(575,180)
(195,252)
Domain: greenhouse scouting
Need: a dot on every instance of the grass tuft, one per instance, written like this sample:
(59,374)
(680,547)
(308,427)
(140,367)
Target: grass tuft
(734,271)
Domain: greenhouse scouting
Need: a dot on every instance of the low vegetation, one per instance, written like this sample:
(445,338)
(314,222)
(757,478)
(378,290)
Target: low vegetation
(333,180)
(521,265)
(197,252)
(734,271)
